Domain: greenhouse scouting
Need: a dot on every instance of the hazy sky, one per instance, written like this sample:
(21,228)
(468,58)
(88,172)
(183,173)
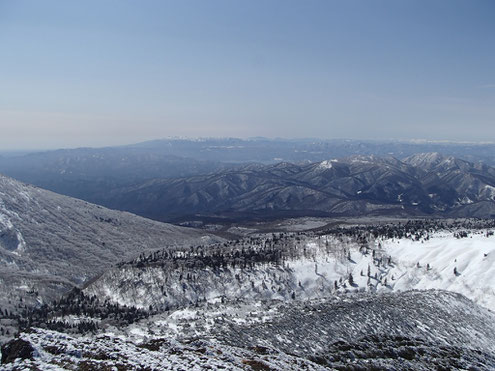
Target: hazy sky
(109,72)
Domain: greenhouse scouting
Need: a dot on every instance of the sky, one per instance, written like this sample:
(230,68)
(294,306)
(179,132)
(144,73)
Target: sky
(97,73)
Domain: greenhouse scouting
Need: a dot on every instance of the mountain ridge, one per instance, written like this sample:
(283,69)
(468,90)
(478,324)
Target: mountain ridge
(91,173)
(357,185)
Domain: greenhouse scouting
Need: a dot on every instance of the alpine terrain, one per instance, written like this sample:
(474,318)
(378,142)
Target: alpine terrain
(396,294)
(247,185)
(50,243)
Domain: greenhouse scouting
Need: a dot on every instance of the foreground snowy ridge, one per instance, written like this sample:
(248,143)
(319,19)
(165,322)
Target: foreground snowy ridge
(413,330)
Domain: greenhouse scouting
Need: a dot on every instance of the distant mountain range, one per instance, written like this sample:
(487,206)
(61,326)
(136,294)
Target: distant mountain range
(423,184)
(265,150)
(89,173)
(181,180)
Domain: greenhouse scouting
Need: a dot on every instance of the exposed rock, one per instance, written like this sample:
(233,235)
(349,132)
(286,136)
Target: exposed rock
(16,348)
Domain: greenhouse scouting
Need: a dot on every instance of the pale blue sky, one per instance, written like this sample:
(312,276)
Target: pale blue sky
(112,72)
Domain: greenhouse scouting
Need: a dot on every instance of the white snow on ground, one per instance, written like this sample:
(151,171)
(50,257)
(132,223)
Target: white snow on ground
(324,267)
(472,257)
(5,221)
(57,351)
(319,269)
(301,224)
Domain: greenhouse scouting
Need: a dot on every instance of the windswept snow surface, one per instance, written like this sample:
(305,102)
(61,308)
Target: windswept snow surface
(57,351)
(416,330)
(422,265)
(472,257)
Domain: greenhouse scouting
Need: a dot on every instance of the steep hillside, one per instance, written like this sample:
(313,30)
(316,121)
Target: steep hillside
(411,330)
(304,266)
(49,242)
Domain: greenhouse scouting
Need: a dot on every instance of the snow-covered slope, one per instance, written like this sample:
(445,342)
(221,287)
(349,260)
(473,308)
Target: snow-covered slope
(394,331)
(49,242)
(430,264)
(256,269)
(56,351)
(369,326)
(310,267)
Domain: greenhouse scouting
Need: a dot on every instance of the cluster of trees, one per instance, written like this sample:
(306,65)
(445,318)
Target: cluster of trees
(279,247)
(6,314)
(417,230)
(244,253)
(461,234)
(4,331)
(89,311)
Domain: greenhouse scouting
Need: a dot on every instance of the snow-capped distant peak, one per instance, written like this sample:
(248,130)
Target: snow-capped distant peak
(428,159)
(364,159)
(327,164)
